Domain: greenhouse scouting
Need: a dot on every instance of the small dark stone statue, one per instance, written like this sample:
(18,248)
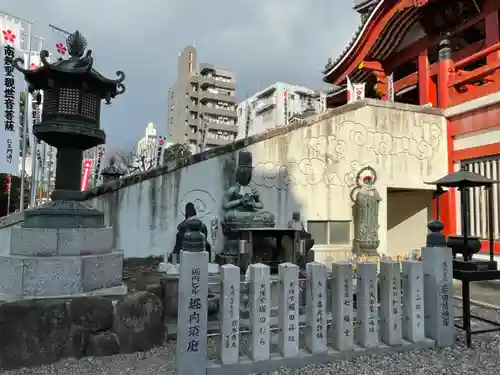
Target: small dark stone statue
(296,223)
(192,234)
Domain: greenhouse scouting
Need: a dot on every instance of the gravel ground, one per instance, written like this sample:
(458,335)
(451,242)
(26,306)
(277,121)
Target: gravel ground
(484,359)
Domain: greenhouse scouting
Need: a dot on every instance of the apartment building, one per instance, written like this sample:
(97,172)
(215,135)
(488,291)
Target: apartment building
(202,104)
(276,106)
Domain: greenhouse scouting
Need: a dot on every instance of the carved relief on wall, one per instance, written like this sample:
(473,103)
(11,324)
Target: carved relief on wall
(204,203)
(335,159)
(421,143)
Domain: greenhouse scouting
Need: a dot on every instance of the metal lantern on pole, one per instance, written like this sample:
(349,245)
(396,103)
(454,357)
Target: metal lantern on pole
(72,91)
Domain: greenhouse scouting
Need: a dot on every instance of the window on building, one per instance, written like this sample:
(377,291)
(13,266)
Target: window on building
(190,62)
(292,97)
(330,232)
(477,198)
(268,116)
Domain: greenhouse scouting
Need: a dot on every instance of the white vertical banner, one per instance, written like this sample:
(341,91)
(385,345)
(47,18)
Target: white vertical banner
(50,165)
(160,148)
(35,103)
(33,107)
(390,87)
(98,165)
(10,85)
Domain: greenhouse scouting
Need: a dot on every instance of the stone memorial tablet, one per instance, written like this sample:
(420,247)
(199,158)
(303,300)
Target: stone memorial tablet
(192,314)
(229,314)
(438,293)
(413,301)
(367,330)
(342,330)
(260,306)
(288,310)
(316,332)
(390,302)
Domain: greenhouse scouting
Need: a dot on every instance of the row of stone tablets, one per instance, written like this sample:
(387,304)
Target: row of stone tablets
(391,326)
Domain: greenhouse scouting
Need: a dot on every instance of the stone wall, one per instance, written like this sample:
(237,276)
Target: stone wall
(308,166)
(38,332)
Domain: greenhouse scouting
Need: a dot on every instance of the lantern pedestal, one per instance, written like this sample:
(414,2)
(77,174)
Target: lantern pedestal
(62,249)
(64,214)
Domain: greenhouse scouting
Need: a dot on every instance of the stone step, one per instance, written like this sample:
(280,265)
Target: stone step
(59,242)
(58,276)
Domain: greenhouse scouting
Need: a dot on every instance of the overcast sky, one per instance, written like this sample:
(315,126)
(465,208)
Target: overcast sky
(262,41)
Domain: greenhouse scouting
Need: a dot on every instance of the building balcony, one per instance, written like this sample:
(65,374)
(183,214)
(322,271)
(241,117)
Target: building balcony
(211,82)
(207,95)
(265,106)
(193,94)
(214,142)
(193,107)
(269,91)
(193,137)
(193,122)
(223,127)
(206,68)
(220,112)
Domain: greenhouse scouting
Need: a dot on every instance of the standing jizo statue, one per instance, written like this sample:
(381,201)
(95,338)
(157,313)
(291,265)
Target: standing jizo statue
(366,221)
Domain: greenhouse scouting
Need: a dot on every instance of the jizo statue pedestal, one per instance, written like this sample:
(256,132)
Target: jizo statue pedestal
(63,248)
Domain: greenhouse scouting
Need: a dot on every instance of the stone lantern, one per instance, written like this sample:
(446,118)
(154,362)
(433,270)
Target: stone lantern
(63,248)
(112,172)
(72,91)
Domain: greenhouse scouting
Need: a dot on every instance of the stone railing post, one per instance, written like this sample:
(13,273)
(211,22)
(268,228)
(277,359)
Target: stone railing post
(342,306)
(367,325)
(192,315)
(260,312)
(413,301)
(288,310)
(438,287)
(316,311)
(390,302)
(229,315)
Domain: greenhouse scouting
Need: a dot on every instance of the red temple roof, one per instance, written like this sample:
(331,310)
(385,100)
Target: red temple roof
(381,31)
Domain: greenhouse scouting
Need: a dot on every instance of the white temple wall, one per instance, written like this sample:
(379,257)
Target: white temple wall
(310,168)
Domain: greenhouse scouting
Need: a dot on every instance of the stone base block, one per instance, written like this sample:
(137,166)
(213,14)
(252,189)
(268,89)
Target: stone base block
(60,241)
(102,271)
(54,277)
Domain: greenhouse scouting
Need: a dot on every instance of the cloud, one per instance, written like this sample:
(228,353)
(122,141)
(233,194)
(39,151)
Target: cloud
(262,41)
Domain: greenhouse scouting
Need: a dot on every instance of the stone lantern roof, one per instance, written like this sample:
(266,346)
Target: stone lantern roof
(77,70)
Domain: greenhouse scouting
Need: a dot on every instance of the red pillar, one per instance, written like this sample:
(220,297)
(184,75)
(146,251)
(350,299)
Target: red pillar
(492,28)
(424,78)
(447,200)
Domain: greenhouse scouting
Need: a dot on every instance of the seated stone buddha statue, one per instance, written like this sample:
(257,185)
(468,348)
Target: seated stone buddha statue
(242,205)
